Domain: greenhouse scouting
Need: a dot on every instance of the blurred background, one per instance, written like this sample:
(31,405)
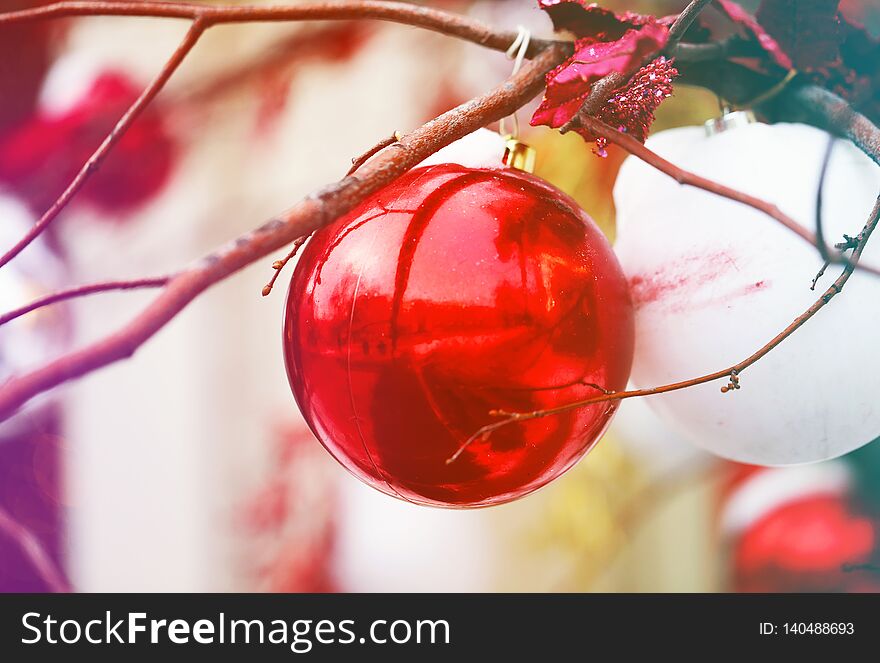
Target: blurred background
(189,468)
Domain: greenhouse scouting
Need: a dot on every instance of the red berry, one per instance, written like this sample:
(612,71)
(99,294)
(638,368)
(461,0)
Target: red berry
(451,293)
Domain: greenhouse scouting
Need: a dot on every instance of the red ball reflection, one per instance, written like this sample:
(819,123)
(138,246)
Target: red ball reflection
(448,294)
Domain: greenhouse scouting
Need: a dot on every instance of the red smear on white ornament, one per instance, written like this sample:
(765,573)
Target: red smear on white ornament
(714,280)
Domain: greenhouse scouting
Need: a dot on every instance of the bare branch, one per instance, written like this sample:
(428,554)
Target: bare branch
(192,37)
(453,25)
(681,176)
(357,162)
(819,107)
(684,21)
(687,178)
(732,373)
(279,265)
(83,291)
(315,211)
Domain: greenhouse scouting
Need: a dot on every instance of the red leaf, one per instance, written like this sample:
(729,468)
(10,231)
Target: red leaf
(753,29)
(860,50)
(632,107)
(807,30)
(855,76)
(586,19)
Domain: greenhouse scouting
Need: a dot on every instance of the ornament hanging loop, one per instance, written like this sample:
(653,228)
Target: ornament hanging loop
(516,154)
(517,53)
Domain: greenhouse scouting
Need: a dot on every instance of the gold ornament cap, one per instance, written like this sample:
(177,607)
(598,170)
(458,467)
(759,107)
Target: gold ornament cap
(518,155)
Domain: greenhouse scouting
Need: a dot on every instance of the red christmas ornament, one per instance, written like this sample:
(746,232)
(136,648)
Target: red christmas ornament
(817,543)
(799,529)
(451,293)
(43,155)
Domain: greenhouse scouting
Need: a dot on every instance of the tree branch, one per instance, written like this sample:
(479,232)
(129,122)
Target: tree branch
(684,21)
(682,176)
(83,291)
(359,161)
(453,25)
(732,372)
(192,37)
(206,16)
(824,109)
(687,178)
(315,211)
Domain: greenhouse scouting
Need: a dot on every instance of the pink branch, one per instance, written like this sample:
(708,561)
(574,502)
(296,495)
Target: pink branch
(681,176)
(315,211)
(731,373)
(82,291)
(453,25)
(328,204)
(204,17)
(687,178)
(103,150)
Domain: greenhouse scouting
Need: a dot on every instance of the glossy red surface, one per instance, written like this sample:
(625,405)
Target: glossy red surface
(448,294)
(805,546)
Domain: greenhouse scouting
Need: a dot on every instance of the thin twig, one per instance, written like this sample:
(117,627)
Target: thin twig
(357,162)
(820,274)
(279,265)
(684,21)
(687,178)
(82,291)
(204,17)
(732,373)
(315,211)
(189,41)
(682,176)
(35,552)
(453,25)
(820,232)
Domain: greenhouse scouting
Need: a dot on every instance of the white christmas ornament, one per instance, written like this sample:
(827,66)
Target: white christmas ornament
(481,149)
(713,280)
(386,545)
(769,489)
(659,449)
